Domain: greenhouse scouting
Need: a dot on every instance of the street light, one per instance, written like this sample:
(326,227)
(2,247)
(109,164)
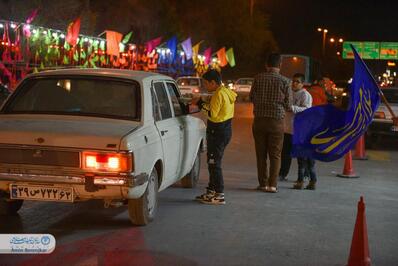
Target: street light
(324,32)
(332,40)
(341,40)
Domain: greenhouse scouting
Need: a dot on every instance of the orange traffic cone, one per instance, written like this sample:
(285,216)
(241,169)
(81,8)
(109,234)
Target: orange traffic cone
(359,252)
(360,149)
(348,171)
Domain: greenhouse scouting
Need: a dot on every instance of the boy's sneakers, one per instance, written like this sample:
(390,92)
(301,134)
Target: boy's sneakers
(216,199)
(209,193)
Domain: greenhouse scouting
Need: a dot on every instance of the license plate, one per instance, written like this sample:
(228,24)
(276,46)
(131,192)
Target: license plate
(63,194)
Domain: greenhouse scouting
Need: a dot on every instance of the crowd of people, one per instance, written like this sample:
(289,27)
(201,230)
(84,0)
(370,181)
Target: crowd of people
(276,99)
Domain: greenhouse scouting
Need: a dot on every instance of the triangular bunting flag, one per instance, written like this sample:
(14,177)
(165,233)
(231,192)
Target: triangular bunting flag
(113,39)
(230,57)
(73,32)
(127,37)
(222,57)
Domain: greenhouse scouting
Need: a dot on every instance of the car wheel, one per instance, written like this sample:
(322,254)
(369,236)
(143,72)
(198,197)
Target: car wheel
(143,210)
(8,206)
(192,178)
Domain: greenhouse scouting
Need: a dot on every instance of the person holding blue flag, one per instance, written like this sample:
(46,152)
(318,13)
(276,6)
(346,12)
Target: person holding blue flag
(327,133)
(302,100)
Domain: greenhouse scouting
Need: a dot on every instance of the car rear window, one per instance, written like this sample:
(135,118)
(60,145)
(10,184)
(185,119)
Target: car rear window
(391,95)
(188,82)
(89,96)
(245,82)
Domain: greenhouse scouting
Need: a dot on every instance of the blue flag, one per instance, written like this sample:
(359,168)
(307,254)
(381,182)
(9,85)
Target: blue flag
(172,46)
(326,133)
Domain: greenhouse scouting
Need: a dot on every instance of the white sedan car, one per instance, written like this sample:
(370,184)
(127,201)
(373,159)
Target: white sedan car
(79,134)
(243,86)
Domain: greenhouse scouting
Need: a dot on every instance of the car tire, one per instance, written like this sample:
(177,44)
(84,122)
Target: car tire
(143,210)
(8,206)
(192,178)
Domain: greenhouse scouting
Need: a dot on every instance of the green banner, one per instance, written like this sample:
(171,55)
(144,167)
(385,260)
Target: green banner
(347,51)
(389,50)
(367,50)
(370,50)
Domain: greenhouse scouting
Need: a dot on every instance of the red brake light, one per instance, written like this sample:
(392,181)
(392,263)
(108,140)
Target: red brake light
(107,162)
(196,90)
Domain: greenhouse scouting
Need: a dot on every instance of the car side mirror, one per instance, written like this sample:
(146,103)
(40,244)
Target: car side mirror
(193,109)
(188,106)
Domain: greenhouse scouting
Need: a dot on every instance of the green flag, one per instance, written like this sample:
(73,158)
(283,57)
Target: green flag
(76,56)
(66,60)
(230,57)
(127,37)
(47,38)
(66,46)
(92,63)
(82,54)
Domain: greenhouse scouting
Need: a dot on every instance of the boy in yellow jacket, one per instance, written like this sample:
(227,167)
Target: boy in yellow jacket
(219,112)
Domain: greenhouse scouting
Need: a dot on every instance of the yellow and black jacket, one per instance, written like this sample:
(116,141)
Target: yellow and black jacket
(221,106)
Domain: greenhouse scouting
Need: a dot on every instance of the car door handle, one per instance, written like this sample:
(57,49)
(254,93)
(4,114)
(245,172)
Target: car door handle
(163,132)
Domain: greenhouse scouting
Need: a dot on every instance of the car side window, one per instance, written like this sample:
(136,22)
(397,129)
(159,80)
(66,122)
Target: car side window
(155,107)
(173,92)
(163,100)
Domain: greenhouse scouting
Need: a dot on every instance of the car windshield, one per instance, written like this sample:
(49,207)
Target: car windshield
(245,82)
(87,96)
(188,82)
(391,95)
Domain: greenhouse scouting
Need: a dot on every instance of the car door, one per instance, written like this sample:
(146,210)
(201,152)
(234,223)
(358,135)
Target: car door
(181,118)
(169,131)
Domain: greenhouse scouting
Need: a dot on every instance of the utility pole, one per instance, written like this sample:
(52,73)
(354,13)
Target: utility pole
(251,8)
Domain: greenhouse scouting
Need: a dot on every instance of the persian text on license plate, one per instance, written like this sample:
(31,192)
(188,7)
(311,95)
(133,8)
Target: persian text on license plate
(63,194)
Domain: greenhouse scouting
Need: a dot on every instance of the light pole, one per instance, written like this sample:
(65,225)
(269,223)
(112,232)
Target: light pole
(324,32)
(336,43)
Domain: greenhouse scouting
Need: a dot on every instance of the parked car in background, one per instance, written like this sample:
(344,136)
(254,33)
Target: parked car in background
(242,87)
(191,86)
(229,83)
(114,135)
(382,123)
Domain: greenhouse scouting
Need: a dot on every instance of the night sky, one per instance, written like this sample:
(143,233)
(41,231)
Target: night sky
(294,23)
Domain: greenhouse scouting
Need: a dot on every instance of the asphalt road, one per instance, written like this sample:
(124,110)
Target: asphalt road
(254,228)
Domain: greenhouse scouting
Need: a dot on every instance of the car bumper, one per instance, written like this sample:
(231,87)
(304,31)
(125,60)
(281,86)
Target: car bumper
(243,93)
(382,128)
(86,186)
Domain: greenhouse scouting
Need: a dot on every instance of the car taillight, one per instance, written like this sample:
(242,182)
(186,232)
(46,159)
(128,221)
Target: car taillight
(107,162)
(381,115)
(196,90)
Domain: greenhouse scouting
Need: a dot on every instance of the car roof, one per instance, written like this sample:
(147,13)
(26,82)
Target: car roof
(105,72)
(189,77)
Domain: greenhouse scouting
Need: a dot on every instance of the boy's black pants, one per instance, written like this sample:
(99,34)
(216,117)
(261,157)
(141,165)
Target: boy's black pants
(218,136)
